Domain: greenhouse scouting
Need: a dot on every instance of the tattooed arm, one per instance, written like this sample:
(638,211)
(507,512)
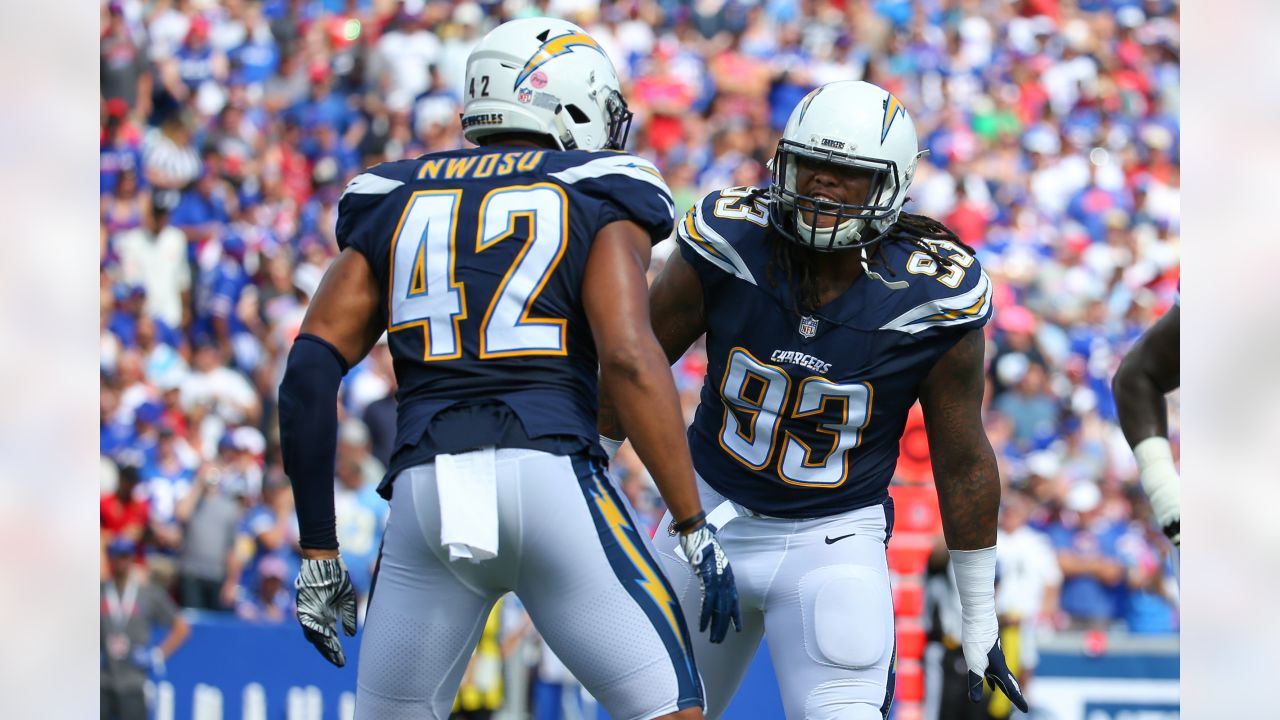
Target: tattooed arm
(964,464)
(969,492)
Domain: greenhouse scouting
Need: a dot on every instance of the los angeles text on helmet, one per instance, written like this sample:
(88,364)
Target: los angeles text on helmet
(481,119)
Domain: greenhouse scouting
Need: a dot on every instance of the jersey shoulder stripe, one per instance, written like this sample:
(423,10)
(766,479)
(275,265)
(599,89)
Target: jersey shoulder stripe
(695,232)
(622,165)
(367,183)
(971,306)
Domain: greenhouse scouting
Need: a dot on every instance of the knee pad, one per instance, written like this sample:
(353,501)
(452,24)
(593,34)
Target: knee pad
(848,616)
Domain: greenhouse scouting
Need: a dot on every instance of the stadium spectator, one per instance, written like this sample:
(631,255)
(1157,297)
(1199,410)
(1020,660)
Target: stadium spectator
(208,564)
(270,529)
(354,447)
(269,600)
(153,256)
(1085,538)
(131,607)
(361,518)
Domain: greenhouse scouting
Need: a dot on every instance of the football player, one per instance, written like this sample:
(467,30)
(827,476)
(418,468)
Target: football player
(1149,372)
(509,277)
(828,312)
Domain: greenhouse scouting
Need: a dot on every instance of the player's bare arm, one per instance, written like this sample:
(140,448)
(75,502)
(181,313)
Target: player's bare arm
(345,311)
(634,372)
(964,464)
(968,484)
(1148,373)
(341,325)
(675,306)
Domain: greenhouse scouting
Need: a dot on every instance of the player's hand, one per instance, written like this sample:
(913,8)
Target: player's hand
(993,667)
(719,593)
(150,660)
(325,593)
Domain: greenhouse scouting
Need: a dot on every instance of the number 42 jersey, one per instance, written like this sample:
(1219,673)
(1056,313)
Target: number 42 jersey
(801,416)
(481,254)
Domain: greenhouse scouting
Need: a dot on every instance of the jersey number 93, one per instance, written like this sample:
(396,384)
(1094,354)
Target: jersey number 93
(754,428)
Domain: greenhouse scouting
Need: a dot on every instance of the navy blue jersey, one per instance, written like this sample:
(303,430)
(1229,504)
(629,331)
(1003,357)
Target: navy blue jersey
(481,253)
(801,416)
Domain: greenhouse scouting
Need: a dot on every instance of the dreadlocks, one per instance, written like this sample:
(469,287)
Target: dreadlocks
(798,265)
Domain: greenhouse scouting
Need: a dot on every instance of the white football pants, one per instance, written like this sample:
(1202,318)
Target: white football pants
(569,548)
(819,588)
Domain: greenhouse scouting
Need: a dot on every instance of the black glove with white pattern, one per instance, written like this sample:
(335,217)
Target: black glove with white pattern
(325,593)
(719,593)
(998,675)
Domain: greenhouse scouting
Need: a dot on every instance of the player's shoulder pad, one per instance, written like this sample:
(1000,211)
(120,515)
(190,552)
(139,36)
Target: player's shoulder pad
(366,191)
(937,296)
(718,223)
(630,183)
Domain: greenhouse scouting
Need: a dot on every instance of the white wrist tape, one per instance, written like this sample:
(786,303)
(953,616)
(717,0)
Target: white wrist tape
(1159,478)
(610,446)
(975,572)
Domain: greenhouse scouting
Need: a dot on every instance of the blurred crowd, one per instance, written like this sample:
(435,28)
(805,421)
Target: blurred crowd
(229,128)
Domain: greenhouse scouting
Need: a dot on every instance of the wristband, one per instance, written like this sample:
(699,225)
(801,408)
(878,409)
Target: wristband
(690,522)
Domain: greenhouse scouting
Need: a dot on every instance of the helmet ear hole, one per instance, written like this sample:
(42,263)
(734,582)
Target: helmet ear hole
(577,114)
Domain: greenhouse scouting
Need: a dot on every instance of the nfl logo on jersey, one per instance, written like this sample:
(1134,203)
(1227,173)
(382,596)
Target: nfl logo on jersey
(808,326)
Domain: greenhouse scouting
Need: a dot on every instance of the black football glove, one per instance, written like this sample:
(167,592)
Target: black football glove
(998,675)
(719,593)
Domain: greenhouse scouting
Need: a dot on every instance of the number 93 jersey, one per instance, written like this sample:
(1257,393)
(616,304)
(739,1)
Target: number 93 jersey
(481,254)
(801,415)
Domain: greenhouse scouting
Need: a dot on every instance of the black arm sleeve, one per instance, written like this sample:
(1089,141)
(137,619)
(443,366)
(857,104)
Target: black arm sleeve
(309,435)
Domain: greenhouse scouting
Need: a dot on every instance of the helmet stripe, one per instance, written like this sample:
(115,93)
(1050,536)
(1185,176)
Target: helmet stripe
(554,47)
(892,108)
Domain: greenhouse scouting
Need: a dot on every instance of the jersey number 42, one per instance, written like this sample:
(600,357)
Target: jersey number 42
(426,294)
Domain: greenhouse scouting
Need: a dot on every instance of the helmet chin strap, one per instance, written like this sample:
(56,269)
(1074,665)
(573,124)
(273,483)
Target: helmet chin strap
(891,284)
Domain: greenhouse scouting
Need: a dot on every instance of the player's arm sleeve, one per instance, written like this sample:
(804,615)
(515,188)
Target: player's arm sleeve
(309,436)
(704,241)
(628,188)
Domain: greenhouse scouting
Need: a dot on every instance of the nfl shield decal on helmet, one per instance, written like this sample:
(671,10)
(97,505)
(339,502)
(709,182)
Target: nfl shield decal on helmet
(808,326)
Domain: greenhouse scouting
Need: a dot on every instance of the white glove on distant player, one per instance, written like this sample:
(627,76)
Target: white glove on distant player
(975,572)
(325,593)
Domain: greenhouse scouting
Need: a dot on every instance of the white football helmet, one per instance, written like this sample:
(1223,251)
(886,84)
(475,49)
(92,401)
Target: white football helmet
(851,124)
(546,76)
